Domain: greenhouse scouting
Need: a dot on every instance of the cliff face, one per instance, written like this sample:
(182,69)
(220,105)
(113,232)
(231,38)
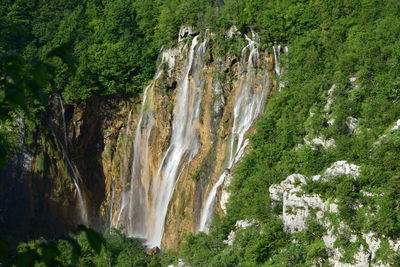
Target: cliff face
(40,183)
(193,123)
(156,169)
(194,195)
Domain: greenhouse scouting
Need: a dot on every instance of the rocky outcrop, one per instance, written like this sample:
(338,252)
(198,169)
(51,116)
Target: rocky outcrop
(298,207)
(242,224)
(393,129)
(186,31)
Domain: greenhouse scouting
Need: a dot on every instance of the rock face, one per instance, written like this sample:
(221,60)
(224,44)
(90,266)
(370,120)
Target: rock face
(70,144)
(297,204)
(232,32)
(298,207)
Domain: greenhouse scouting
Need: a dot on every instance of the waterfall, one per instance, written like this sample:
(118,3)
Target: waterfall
(144,203)
(150,186)
(123,173)
(134,198)
(136,225)
(277,58)
(76,177)
(248,106)
(184,145)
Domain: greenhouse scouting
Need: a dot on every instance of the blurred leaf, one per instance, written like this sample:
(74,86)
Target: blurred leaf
(40,73)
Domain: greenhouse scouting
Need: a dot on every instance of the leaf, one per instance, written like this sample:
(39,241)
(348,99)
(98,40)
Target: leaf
(40,73)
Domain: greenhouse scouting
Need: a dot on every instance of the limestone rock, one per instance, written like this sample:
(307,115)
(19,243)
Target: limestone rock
(242,224)
(342,168)
(297,207)
(352,124)
(232,32)
(186,31)
(320,140)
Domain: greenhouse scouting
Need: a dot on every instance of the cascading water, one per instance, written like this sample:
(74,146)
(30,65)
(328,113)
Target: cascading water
(277,58)
(184,145)
(248,106)
(76,177)
(146,195)
(137,209)
(144,206)
(134,198)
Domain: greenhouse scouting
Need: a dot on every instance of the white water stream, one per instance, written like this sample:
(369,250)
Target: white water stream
(134,200)
(248,106)
(277,49)
(183,146)
(76,177)
(277,59)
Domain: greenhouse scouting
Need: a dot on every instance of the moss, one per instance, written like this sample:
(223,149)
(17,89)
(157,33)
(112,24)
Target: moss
(109,152)
(291,211)
(40,163)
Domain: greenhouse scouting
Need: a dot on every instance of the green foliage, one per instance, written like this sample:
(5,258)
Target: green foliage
(385,254)
(293,254)
(316,252)
(251,247)
(22,89)
(85,248)
(50,252)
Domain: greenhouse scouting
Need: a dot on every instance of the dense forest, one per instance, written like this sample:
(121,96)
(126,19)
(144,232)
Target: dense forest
(83,49)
